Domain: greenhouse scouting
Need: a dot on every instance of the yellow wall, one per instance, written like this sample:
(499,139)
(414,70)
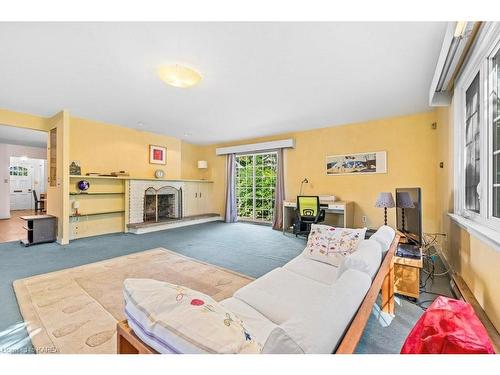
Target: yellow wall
(24,120)
(409,141)
(57,196)
(475,261)
(190,154)
(106,148)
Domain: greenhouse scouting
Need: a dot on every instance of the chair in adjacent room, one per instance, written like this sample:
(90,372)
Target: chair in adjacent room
(39,203)
(308,212)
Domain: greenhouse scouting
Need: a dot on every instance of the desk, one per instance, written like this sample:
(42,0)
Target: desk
(337,214)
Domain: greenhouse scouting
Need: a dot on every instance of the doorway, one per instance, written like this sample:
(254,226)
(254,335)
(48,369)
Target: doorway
(26,176)
(23,173)
(255,186)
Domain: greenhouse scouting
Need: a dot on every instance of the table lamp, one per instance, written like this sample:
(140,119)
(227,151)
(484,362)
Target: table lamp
(385,201)
(403,200)
(76,206)
(202,164)
(304,181)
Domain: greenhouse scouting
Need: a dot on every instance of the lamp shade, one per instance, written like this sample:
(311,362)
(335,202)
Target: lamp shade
(76,205)
(385,200)
(403,200)
(202,164)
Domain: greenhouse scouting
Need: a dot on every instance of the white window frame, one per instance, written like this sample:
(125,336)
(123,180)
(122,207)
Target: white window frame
(254,155)
(479,60)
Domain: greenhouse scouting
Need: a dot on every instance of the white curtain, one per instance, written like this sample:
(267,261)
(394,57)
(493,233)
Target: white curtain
(231,209)
(279,192)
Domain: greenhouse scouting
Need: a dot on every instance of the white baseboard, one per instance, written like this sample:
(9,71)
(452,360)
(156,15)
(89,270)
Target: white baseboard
(171,225)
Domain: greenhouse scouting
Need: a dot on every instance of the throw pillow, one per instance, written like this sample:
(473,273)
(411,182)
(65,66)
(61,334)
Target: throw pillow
(331,244)
(175,319)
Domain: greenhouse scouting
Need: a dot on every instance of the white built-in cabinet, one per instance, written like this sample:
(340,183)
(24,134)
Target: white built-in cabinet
(197,198)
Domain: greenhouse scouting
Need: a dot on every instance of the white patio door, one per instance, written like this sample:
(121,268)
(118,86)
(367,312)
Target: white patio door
(255,185)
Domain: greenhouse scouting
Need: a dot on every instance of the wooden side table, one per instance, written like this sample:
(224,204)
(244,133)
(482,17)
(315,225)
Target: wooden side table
(407,276)
(40,229)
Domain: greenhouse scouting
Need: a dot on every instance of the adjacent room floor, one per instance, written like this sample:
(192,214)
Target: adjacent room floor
(12,229)
(250,249)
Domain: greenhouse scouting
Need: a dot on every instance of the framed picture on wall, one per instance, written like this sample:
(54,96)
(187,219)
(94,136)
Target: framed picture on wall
(157,155)
(354,164)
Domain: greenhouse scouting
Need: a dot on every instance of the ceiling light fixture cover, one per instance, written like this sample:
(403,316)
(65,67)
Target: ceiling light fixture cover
(179,76)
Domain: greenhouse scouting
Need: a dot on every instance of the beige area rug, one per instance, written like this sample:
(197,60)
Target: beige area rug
(76,310)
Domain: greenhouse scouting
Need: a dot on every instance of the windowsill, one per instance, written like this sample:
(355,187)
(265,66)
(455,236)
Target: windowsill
(482,232)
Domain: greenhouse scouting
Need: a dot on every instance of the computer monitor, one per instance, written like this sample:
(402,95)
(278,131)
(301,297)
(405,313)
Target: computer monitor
(409,213)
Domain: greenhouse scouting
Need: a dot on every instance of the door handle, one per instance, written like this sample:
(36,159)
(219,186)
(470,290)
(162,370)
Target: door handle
(18,191)
(200,194)
(196,195)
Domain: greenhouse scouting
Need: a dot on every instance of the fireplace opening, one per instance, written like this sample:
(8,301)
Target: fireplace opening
(162,204)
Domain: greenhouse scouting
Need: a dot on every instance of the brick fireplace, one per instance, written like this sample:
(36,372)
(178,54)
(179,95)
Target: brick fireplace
(162,204)
(154,201)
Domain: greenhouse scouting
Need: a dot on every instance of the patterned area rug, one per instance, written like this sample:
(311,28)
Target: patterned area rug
(76,310)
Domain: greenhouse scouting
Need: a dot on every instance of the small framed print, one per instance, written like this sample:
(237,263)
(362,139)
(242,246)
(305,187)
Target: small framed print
(157,155)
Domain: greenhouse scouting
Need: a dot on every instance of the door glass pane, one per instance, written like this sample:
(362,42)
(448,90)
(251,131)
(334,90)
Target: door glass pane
(472,151)
(244,186)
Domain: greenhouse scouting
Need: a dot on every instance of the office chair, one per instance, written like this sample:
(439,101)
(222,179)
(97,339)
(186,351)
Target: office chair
(308,212)
(38,203)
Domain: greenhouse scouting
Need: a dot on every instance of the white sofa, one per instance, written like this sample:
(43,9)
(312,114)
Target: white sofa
(306,306)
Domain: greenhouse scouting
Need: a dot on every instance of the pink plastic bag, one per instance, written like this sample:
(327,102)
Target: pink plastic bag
(449,326)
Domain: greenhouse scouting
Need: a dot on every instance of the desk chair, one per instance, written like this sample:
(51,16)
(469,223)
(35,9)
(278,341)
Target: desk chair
(308,212)
(39,203)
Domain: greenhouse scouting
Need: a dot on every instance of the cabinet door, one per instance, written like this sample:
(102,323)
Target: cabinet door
(191,199)
(206,204)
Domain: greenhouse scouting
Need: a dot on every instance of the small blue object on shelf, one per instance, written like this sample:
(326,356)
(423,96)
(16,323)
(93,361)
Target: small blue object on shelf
(83,185)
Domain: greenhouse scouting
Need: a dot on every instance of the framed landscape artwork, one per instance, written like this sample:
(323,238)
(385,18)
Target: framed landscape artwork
(157,155)
(363,163)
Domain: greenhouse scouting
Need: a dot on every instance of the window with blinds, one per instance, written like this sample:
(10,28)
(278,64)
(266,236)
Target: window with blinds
(472,146)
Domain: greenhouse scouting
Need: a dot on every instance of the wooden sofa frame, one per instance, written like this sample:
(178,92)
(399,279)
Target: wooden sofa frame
(129,343)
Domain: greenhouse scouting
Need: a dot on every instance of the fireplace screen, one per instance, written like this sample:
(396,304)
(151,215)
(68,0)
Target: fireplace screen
(162,204)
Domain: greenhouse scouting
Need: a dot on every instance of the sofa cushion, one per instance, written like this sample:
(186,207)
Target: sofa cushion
(312,269)
(320,329)
(256,323)
(384,236)
(280,342)
(273,338)
(330,244)
(366,259)
(172,318)
(280,293)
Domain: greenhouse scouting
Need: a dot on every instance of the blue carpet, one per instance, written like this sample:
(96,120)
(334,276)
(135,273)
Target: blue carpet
(249,249)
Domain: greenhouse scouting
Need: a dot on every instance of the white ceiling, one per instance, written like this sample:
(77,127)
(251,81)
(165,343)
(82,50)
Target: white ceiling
(23,137)
(258,78)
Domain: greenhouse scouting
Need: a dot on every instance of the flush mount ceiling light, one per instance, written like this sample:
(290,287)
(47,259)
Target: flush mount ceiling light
(179,76)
